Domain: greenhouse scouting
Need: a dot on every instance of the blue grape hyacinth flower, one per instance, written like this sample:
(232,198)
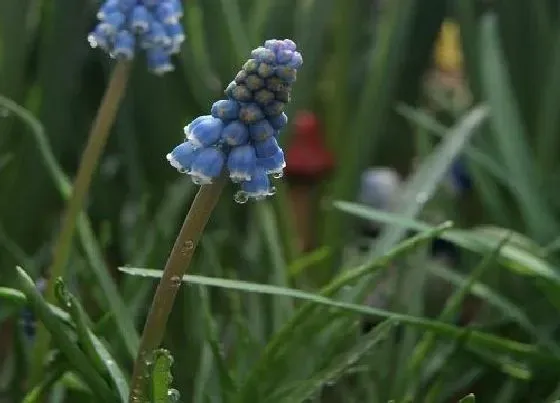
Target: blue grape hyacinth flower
(153,25)
(240,134)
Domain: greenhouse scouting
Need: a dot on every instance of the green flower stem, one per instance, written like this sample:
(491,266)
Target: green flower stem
(90,159)
(175,268)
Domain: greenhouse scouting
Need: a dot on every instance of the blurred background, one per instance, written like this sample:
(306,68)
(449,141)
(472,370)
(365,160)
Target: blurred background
(404,115)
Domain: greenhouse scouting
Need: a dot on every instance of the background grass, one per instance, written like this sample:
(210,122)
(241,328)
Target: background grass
(258,320)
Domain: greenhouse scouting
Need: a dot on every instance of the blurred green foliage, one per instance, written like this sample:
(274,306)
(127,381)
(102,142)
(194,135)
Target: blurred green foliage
(233,338)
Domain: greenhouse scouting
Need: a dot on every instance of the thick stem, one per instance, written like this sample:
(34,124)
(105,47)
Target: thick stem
(175,268)
(91,155)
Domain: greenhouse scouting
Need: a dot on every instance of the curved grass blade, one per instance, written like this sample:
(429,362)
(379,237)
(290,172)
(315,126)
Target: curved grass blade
(515,259)
(423,184)
(73,354)
(452,306)
(510,134)
(124,324)
(338,366)
(475,338)
(92,346)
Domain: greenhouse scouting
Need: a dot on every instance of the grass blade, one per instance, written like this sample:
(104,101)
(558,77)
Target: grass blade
(123,322)
(73,354)
(475,338)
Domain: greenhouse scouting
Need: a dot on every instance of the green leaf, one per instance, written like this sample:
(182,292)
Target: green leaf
(92,346)
(510,133)
(338,366)
(424,182)
(474,338)
(468,399)
(161,376)
(61,336)
(518,260)
(123,321)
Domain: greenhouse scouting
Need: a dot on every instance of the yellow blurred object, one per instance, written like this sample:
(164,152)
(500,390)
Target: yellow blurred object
(448,54)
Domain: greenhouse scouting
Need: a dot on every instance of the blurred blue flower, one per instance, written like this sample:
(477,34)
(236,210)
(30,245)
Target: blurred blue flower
(153,25)
(240,134)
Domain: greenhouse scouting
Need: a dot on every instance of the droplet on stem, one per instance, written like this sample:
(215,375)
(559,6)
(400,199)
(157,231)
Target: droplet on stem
(240,197)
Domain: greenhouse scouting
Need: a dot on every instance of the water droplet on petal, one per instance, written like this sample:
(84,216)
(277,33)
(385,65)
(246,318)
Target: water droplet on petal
(278,175)
(240,197)
(272,191)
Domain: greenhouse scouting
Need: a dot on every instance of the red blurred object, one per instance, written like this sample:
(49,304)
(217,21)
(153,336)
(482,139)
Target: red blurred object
(308,155)
(308,161)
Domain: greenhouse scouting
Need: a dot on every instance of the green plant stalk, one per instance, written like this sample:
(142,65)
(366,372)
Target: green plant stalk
(175,268)
(91,155)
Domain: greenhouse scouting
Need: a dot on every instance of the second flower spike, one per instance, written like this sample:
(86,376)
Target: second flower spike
(153,25)
(241,131)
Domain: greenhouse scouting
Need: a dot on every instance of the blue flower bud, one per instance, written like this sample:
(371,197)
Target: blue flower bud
(272,44)
(239,92)
(261,130)
(264,55)
(258,187)
(175,32)
(225,109)
(112,23)
(264,97)
(154,22)
(274,108)
(124,45)
(159,61)
(235,133)
(182,156)
(266,148)
(140,22)
(250,113)
(241,163)
(204,132)
(98,38)
(273,165)
(278,122)
(158,36)
(283,96)
(251,66)
(283,56)
(289,45)
(265,70)
(296,62)
(109,7)
(165,12)
(254,82)
(241,77)
(178,8)
(207,165)
(286,73)
(276,83)
(127,5)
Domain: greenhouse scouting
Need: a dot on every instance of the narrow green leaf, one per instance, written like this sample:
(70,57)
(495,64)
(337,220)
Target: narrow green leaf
(92,346)
(339,365)
(475,338)
(515,259)
(423,184)
(161,376)
(123,321)
(60,336)
(510,134)
(468,399)
(236,28)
